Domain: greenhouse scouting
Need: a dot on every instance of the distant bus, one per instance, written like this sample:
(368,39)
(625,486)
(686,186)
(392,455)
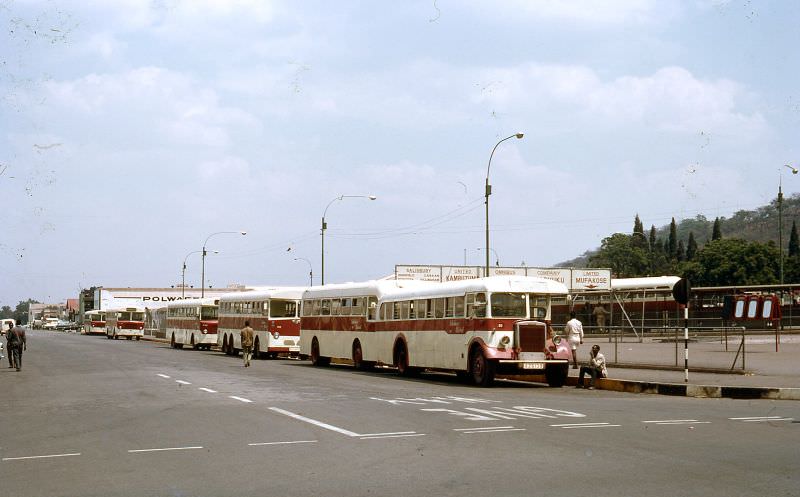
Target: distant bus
(477,328)
(273,314)
(192,322)
(126,322)
(94,322)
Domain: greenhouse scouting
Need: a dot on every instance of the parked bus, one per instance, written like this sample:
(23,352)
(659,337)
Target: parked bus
(192,322)
(126,322)
(273,314)
(94,322)
(477,328)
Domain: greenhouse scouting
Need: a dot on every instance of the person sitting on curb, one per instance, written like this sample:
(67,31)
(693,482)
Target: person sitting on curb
(595,369)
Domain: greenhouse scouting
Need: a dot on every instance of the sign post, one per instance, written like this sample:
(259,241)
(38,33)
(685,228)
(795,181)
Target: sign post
(681,292)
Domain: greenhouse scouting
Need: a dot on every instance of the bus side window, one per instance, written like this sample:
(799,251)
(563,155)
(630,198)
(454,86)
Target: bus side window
(440,308)
(421,309)
(766,309)
(325,309)
(450,307)
(739,309)
(459,306)
(373,308)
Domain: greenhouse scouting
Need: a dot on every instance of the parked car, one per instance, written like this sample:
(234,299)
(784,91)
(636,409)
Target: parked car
(5,323)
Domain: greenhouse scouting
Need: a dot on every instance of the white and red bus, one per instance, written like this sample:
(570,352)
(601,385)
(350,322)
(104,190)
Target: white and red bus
(477,328)
(273,314)
(192,322)
(125,322)
(94,322)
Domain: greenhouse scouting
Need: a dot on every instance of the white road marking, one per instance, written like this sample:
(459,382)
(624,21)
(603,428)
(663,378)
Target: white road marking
(492,431)
(241,399)
(678,422)
(483,428)
(315,422)
(285,443)
(207,390)
(585,425)
(163,376)
(372,437)
(387,433)
(40,457)
(182,382)
(752,419)
(164,449)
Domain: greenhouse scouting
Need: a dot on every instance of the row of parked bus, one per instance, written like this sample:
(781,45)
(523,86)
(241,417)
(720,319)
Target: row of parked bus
(500,325)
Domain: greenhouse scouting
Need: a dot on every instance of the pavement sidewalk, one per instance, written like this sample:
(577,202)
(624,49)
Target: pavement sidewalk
(650,367)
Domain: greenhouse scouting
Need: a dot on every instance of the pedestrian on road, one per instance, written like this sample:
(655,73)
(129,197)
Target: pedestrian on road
(8,346)
(595,369)
(16,344)
(574,331)
(600,314)
(247,343)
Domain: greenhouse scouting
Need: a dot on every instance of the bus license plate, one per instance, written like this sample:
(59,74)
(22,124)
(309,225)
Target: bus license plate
(532,365)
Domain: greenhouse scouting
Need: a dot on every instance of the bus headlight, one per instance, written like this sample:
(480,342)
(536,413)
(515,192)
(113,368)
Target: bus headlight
(276,335)
(504,342)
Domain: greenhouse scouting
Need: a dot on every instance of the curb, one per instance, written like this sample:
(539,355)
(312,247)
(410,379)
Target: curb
(698,391)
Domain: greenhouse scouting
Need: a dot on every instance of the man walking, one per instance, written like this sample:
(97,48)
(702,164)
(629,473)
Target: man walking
(16,344)
(247,343)
(595,369)
(574,331)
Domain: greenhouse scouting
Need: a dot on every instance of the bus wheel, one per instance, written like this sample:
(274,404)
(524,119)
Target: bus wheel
(172,342)
(257,350)
(401,360)
(224,347)
(556,374)
(194,345)
(316,359)
(358,358)
(481,368)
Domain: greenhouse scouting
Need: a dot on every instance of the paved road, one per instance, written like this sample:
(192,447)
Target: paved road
(89,416)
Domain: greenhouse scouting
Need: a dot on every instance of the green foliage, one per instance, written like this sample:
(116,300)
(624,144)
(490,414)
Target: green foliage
(716,234)
(794,243)
(736,262)
(691,247)
(672,241)
(6,312)
(619,253)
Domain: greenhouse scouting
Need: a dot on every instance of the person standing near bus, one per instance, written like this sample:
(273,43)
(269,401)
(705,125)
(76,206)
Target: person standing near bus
(16,344)
(574,331)
(247,343)
(600,314)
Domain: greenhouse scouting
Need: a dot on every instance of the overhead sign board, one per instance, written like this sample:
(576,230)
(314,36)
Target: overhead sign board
(577,280)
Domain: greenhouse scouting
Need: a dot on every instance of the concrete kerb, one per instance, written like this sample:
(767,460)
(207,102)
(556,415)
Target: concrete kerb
(690,390)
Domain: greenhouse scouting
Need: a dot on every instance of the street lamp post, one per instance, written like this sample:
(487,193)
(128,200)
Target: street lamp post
(310,270)
(203,270)
(496,257)
(780,215)
(183,271)
(325,226)
(489,192)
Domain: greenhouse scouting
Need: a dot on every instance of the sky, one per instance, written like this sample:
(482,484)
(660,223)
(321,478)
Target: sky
(132,130)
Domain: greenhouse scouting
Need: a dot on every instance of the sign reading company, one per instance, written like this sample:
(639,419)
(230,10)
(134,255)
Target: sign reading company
(561,275)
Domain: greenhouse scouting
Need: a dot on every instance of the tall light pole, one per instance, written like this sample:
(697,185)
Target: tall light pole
(489,192)
(780,214)
(183,271)
(310,270)
(496,257)
(325,226)
(203,271)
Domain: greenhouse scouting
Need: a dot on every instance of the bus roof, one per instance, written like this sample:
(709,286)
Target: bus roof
(376,288)
(193,302)
(278,292)
(425,289)
(649,283)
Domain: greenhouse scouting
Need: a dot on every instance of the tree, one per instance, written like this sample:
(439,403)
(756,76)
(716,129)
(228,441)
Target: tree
(6,312)
(21,311)
(716,233)
(691,247)
(794,243)
(639,240)
(736,262)
(617,252)
(672,248)
(680,252)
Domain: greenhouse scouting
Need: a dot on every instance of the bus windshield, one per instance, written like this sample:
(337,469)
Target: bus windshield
(283,309)
(509,305)
(131,316)
(208,312)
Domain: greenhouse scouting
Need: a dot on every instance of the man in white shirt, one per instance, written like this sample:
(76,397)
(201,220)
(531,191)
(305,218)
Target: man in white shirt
(595,369)
(574,331)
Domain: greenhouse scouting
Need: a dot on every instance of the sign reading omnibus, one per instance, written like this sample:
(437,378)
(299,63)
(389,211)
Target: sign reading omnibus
(94,323)
(477,328)
(192,322)
(126,323)
(273,314)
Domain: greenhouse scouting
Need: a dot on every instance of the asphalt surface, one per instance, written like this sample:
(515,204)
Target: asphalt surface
(88,416)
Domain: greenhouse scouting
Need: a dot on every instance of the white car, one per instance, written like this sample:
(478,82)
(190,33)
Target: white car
(5,323)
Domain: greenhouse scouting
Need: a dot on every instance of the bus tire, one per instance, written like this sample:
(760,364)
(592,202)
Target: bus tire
(358,358)
(194,345)
(556,374)
(316,359)
(481,368)
(401,360)
(172,342)
(257,354)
